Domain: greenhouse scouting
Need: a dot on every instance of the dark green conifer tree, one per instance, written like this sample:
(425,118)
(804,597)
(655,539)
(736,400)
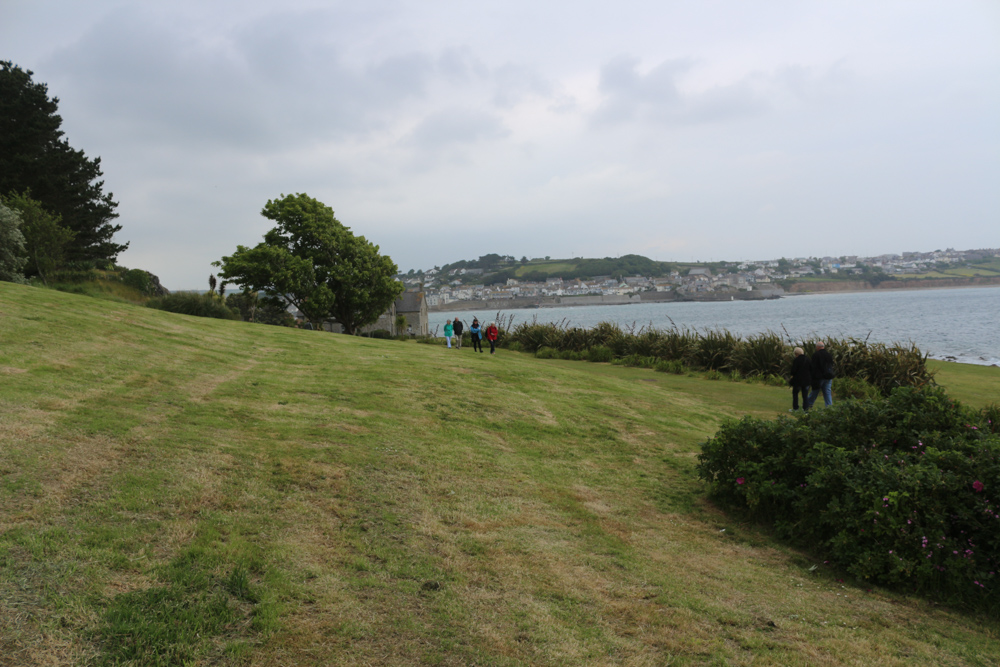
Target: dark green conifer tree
(35,156)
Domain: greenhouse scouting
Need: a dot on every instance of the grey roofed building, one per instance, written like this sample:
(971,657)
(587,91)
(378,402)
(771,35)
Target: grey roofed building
(411,305)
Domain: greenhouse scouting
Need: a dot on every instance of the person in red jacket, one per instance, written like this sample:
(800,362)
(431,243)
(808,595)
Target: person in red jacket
(491,335)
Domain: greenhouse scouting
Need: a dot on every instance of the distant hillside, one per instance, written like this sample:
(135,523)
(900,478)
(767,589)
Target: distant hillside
(498,269)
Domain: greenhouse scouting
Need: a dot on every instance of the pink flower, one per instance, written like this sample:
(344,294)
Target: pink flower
(977,485)
(740,480)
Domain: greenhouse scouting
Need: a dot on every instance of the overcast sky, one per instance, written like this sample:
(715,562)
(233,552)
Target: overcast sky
(445,130)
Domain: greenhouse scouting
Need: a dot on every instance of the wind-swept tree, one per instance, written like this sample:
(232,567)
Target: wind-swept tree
(35,156)
(316,264)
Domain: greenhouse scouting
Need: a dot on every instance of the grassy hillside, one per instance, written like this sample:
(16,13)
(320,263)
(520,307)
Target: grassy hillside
(209,492)
(579,267)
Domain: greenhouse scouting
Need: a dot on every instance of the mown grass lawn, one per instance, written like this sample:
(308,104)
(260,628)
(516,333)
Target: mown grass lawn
(973,385)
(176,490)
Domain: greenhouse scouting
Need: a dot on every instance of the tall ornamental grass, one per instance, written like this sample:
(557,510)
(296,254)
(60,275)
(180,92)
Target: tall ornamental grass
(860,365)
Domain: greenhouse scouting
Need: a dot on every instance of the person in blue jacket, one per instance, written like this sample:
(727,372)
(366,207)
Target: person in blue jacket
(448,331)
(476,333)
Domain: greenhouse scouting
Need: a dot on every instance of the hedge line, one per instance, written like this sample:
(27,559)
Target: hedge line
(766,354)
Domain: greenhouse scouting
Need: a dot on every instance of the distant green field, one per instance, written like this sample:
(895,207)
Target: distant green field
(550,268)
(176,490)
(968,271)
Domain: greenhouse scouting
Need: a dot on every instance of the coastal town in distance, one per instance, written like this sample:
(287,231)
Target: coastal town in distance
(504,280)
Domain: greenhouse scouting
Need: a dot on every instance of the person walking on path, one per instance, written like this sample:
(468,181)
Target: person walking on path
(448,331)
(801,379)
(822,372)
(476,334)
(491,335)
(458,327)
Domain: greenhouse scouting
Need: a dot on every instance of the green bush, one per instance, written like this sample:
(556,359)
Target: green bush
(382,334)
(138,280)
(533,336)
(775,381)
(600,354)
(636,360)
(576,339)
(611,336)
(670,366)
(678,344)
(430,340)
(189,303)
(763,354)
(645,343)
(883,366)
(547,353)
(714,350)
(260,309)
(899,491)
(848,387)
(991,417)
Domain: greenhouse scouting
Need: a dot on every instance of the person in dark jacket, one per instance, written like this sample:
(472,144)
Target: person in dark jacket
(801,379)
(458,327)
(822,375)
(476,334)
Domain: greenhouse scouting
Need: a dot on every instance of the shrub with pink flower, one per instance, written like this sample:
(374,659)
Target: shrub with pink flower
(867,482)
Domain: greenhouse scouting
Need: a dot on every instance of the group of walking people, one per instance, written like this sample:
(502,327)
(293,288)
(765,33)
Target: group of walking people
(455,329)
(810,376)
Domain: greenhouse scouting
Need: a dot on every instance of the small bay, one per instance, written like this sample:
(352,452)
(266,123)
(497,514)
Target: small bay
(959,324)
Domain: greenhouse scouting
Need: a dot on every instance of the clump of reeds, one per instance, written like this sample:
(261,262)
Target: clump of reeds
(766,356)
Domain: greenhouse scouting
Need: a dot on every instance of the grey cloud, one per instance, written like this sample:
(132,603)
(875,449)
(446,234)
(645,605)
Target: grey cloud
(511,83)
(275,84)
(810,83)
(514,83)
(460,66)
(402,76)
(723,103)
(455,127)
(654,96)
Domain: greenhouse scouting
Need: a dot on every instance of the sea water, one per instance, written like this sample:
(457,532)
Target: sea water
(958,324)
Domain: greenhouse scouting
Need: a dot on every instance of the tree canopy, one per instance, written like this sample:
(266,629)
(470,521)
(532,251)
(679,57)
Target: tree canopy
(317,264)
(35,156)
